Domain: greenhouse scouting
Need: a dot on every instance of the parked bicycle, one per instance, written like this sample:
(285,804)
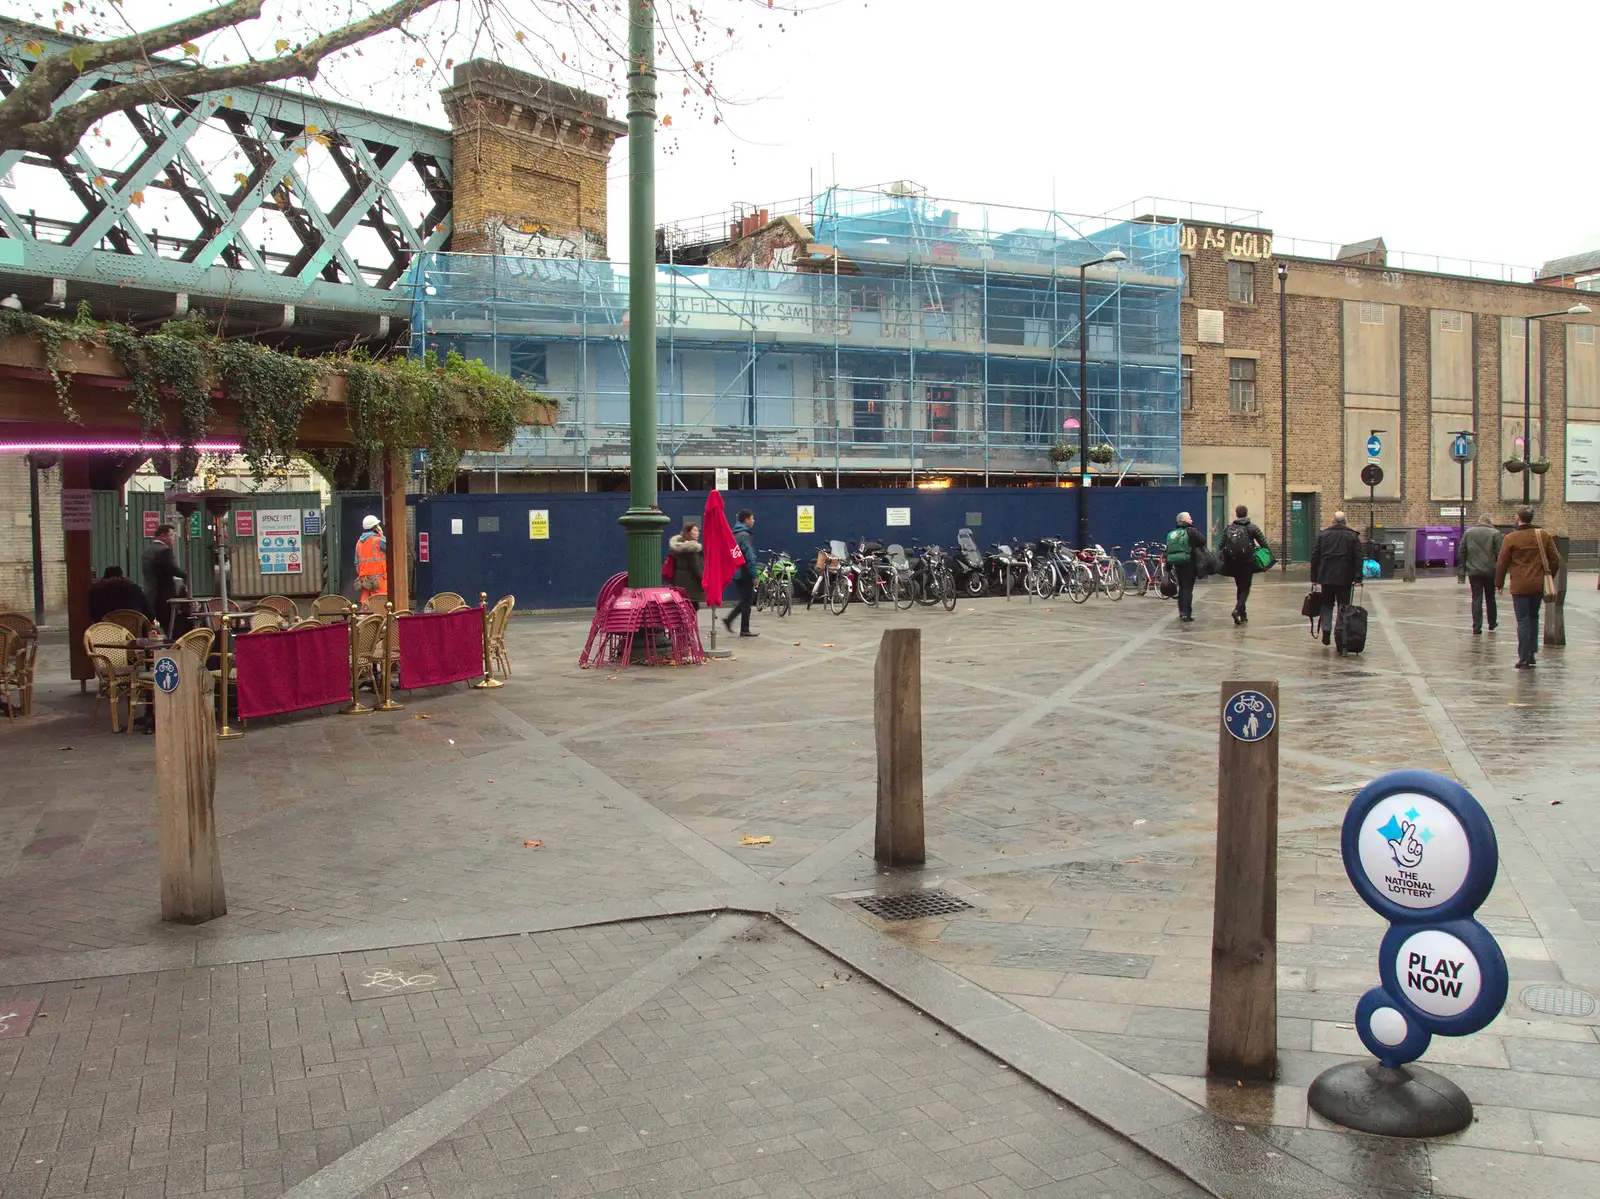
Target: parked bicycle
(932,580)
(1147,570)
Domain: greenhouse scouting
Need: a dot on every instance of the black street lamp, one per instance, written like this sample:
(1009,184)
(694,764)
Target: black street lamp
(1283,415)
(1083,393)
(1527,391)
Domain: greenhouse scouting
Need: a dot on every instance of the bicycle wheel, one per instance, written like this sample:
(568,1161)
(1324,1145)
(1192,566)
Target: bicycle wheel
(781,600)
(867,588)
(1079,583)
(902,591)
(947,592)
(1116,581)
(838,592)
(1041,582)
(1141,577)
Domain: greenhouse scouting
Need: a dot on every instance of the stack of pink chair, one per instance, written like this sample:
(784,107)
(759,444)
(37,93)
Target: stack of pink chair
(623,613)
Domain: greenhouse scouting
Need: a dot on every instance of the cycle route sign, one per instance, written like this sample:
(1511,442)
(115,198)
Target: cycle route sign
(1249,716)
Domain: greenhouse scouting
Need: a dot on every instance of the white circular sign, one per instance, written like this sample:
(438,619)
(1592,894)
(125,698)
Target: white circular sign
(1414,851)
(1388,1025)
(1438,972)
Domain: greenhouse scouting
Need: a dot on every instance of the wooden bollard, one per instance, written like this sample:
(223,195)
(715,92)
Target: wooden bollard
(897,724)
(186,785)
(1242,1040)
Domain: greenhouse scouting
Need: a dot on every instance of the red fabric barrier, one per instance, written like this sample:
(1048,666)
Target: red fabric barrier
(440,647)
(285,672)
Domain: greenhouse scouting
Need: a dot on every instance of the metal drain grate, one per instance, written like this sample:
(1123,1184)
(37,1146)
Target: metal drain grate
(915,905)
(1559,1001)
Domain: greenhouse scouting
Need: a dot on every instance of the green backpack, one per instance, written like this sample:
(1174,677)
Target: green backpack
(1178,547)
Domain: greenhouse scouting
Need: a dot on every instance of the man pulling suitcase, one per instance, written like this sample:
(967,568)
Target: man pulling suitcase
(1336,568)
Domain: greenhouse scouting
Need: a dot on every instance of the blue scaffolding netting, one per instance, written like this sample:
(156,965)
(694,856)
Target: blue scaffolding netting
(899,333)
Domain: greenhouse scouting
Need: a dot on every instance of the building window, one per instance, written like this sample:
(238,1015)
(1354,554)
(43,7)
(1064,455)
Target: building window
(941,414)
(1585,335)
(1186,395)
(867,416)
(1587,283)
(1242,282)
(1242,384)
(1371,314)
(1449,322)
(1186,264)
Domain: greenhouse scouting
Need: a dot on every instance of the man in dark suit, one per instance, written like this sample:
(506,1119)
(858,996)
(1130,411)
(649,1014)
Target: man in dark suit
(112,592)
(1335,566)
(164,579)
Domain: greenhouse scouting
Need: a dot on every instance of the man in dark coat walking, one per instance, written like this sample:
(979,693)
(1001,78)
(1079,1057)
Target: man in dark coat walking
(1238,552)
(1335,567)
(163,578)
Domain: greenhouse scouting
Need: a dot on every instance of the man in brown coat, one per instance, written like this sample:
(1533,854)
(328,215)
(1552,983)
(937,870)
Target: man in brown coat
(1526,557)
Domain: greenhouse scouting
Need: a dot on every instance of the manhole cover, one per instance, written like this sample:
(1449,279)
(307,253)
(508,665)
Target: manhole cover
(1559,1001)
(915,905)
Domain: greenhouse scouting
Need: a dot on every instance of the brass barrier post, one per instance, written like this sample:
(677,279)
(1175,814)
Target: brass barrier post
(356,708)
(388,705)
(488,679)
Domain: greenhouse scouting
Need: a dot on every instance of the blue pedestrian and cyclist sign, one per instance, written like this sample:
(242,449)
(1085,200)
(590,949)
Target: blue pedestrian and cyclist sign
(166,673)
(1374,446)
(1249,716)
(1421,852)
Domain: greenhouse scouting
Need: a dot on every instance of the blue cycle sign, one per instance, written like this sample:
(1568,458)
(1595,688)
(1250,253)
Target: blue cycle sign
(166,673)
(1374,446)
(1249,716)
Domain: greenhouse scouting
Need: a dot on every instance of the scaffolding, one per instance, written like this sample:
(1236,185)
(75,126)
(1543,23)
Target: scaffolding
(907,337)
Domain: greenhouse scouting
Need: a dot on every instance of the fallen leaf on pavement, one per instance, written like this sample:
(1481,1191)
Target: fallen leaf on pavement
(755,840)
(67,748)
(422,716)
(828,645)
(532,844)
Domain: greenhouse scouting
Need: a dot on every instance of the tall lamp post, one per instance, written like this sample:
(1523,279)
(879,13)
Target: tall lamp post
(644,519)
(1283,416)
(1083,392)
(1527,391)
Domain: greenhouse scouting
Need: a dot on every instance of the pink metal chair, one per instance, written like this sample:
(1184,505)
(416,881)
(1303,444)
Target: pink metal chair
(614,586)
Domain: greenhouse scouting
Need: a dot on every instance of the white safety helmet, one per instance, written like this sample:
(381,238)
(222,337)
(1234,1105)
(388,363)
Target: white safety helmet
(369,522)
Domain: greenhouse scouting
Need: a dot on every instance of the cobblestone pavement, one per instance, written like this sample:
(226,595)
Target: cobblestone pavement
(1070,765)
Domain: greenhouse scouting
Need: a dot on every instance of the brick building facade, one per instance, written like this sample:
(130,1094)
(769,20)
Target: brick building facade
(1409,357)
(16,537)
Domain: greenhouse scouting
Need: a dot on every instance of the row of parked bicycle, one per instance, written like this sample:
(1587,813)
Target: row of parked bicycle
(873,573)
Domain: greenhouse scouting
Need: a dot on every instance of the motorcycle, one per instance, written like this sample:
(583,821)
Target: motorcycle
(968,566)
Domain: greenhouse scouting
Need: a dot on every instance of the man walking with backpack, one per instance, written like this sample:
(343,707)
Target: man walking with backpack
(1527,558)
(1239,542)
(1480,553)
(1184,545)
(1335,567)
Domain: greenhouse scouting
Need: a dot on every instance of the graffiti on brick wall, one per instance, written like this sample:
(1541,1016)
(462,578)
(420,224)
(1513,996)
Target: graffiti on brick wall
(1236,243)
(530,239)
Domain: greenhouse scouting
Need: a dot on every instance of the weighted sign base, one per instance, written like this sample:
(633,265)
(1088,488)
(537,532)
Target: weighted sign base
(1408,1102)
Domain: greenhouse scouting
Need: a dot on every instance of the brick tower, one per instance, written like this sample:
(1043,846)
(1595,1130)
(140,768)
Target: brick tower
(530,159)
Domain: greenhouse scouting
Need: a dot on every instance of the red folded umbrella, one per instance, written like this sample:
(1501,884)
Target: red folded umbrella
(723,555)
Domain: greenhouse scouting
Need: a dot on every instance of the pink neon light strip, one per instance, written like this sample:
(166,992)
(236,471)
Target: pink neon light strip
(114,447)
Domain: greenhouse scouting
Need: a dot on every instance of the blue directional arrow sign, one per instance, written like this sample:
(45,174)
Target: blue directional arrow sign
(1374,446)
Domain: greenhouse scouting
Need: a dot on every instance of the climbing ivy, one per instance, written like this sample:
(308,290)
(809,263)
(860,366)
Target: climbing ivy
(404,403)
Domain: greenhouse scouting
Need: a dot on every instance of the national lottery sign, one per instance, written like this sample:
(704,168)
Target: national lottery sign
(1419,849)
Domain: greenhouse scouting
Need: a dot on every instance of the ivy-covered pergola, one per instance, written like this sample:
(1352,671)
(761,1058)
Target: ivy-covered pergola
(124,397)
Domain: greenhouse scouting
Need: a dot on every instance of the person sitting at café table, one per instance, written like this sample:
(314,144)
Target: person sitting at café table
(114,591)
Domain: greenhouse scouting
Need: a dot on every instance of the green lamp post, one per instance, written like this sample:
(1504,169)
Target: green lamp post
(644,520)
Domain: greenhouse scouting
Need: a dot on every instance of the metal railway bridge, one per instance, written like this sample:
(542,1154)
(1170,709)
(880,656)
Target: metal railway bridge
(273,213)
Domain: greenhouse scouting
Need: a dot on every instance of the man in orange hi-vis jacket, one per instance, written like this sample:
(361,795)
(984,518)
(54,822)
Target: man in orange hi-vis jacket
(372,559)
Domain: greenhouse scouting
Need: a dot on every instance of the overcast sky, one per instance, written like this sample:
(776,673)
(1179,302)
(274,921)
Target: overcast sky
(1434,127)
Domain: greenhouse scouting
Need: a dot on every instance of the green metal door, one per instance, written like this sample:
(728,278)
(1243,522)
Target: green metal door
(1302,525)
(1219,506)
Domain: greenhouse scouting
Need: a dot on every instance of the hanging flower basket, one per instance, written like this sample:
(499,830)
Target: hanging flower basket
(1539,467)
(1104,453)
(1063,451)
(1514,465)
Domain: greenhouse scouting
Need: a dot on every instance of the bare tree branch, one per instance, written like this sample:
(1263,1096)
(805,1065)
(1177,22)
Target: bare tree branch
(56,135)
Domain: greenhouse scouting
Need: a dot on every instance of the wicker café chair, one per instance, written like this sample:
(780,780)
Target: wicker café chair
(266,618)
(281,604)
(328,609)
(374,601)
(499,617)
(136,623)
(10,672)
(445,601)
(308,623)
(17,661)
(364,649)
(115,660)
(196,641)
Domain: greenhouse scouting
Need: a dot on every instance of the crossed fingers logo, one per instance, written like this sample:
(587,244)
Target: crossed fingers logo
(1407,843)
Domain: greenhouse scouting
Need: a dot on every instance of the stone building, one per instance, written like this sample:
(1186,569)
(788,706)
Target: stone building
(1405,359)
